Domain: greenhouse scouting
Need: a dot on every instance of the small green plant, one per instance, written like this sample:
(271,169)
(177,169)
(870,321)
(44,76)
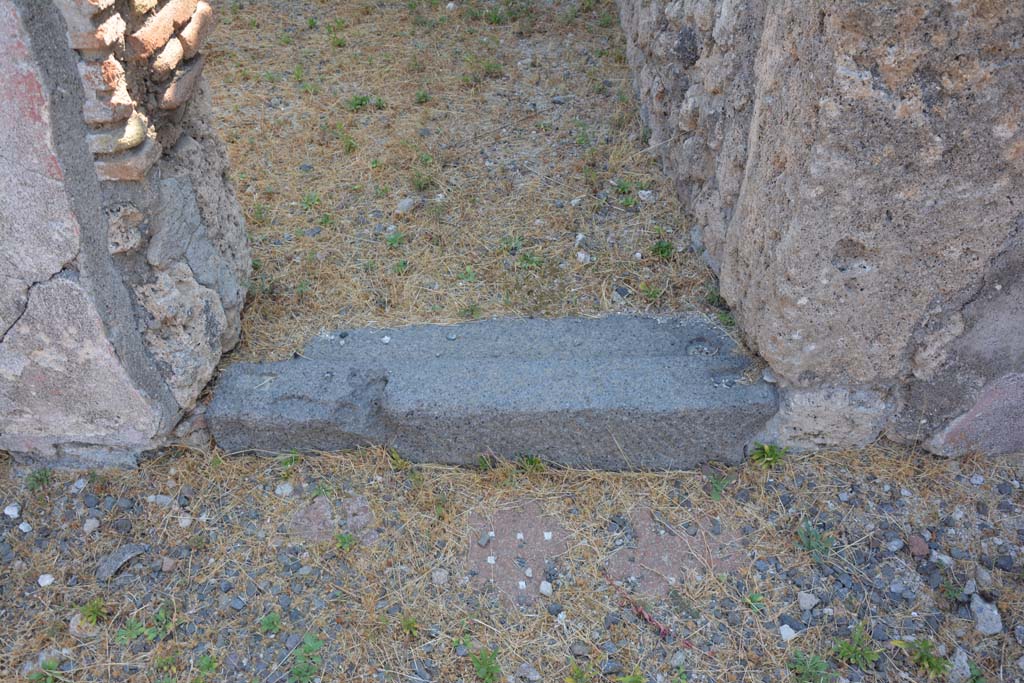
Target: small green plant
(206,665)
(680,676)
(582,134)
(717,484)
(345,541)
(395,239)
(922,654)
(578,674)
(857,650)
(39,479)
(768,455)
(306,665)
(809,668)
(421,181)
(485,665)
(161,626)
(401,267)
(339,41)
(511,243)
(606,20)
(299,74)
(48,672)
(814,541)
(663,249)
(310,200)
(94,611)
(311,22)
(493,69)
(422,97)
(348,143)
(397,462)
(635,677)
(529,260)
(357,102)
(270,623)
(650,292)
(484,464)
(336,26)
(531,464)
(755,601)
(410,627)
(976,674)
(259,213)
(951,590)
(468,275)
(471,311)
(726,319)
(629,201)
(132,629)
(326,220)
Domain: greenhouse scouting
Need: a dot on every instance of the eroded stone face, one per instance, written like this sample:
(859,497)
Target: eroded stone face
(855,172)
(61,381)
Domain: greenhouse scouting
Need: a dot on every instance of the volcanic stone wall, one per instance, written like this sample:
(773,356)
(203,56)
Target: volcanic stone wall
(855,172)
(124,258)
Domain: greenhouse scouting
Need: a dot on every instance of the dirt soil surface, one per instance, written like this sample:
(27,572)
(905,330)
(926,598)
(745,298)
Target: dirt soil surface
(362,567)
(410,162)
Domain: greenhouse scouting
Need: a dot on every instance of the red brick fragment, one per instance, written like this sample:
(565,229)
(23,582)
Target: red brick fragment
(159,28)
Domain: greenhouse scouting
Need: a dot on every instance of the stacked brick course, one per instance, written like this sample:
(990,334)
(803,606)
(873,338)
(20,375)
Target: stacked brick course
(155,48)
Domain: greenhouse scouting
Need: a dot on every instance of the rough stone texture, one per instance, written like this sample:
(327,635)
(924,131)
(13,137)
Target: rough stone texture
(61,380)
(103,352)
(855,172)
(613,393)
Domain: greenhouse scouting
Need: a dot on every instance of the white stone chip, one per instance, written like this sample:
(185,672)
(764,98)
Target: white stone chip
(787,633)
(547,535)
(491,559)
(45,580)
(13,510)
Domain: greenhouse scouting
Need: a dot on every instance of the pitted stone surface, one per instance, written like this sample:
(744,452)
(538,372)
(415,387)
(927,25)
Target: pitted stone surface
(855,171)
(611,393)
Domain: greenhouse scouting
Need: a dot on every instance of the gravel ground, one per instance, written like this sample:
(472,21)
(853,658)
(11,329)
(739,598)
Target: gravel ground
(360,566)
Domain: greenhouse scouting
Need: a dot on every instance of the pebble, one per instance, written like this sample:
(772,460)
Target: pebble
(160,499)
(439,577)
(895,545)
(484,539)
(167,565)
(527,672)
(91,525)
(110,564)
(284,489)
(45,580)
(24,527)
(185,521)
(645,195)
(977,479)
(807,600)
(407,205)
(450,6)
(987,619)
(13,510)
(546,588)
(918,546)
(787,633)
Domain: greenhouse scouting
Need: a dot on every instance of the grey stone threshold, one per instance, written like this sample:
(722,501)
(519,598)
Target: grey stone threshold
(620,392)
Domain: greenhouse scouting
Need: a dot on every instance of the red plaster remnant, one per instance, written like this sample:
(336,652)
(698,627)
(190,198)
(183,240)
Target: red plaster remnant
(24,111)
(158,29)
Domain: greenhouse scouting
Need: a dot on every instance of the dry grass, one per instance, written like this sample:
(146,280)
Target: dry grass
(422,517)
(334,112)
